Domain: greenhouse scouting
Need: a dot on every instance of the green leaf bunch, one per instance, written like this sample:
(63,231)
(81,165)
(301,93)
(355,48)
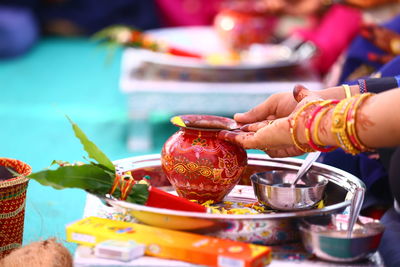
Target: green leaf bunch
(96,176)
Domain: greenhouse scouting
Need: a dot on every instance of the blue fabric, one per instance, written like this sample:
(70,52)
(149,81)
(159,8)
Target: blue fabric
(372,172)
(93,15)
(368,170)
(18,31)
(391,68)
(360,47)
(389,246)
(398,78)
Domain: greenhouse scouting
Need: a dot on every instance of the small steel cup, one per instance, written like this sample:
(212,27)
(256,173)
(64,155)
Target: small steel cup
(273,189)
(327,238)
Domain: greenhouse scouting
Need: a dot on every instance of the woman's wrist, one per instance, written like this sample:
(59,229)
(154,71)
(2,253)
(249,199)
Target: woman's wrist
(325,134)
(337,92)
(342,125)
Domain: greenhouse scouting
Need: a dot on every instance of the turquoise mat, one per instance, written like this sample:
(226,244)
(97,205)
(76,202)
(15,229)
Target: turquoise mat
(60,76)
(63,76)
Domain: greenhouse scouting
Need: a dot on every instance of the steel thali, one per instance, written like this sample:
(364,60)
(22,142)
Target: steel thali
(270,228)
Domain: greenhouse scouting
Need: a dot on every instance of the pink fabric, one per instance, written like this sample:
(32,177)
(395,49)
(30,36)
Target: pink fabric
(187,12)
(332,34)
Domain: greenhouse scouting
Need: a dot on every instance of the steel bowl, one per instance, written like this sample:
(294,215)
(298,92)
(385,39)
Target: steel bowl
(326,238)
(274,189)
(270,229)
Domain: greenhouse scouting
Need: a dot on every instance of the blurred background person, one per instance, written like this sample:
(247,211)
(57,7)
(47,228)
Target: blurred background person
(330,25)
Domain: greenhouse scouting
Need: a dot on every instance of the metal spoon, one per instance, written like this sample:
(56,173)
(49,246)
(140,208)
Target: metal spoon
(307,163)
(355,208)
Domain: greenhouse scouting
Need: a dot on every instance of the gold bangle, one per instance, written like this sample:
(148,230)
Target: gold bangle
(339,125)
(316,127)
(293,126)
(347,90)
(351,122)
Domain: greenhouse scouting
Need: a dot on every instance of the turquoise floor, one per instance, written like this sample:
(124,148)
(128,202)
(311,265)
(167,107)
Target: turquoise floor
(60,76)
(63,76)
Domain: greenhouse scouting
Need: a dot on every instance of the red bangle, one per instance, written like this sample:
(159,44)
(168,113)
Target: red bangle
(350,121)
(309,123)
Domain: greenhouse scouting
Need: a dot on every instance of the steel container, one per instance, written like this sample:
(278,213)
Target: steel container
(275,189)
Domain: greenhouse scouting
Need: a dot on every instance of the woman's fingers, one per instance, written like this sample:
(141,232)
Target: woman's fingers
(275,106)
(258,113)
(273,135)
(243,139)
(300,93)
(290,151)
(254,127)
(274,138)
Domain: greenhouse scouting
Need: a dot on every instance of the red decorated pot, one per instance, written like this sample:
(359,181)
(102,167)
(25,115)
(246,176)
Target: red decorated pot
(239,24)
(198,164)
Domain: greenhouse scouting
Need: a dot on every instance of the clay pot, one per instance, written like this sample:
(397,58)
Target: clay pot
(240,27)
(200,166)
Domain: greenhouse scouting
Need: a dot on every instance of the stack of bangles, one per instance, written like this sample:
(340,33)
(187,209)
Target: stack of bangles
(344,119)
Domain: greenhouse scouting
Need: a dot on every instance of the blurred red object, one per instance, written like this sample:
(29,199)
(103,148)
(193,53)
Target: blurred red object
(375,212)
(183,53)
(161,199)
(239,24)
(175,13)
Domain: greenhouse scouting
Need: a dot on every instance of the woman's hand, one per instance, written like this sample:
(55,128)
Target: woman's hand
(272,136)
(276,106)
(282,104)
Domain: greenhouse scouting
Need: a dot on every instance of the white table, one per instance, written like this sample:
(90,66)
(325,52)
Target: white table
(147,95)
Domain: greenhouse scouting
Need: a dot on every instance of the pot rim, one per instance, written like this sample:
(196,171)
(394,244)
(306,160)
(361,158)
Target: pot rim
(179,121)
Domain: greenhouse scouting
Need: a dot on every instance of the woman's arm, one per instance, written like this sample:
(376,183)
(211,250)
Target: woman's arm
(377,121)
(377,124)
(282,104)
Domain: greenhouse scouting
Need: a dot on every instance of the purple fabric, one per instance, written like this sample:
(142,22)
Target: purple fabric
(18,31)
(389,247)
(367,169)
(358,52)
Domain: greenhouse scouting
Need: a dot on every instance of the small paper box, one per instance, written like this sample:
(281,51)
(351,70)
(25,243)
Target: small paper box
(119,250)
(170,244)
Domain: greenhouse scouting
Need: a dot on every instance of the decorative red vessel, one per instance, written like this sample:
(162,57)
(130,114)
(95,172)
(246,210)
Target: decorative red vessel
(200,166)
(239,24)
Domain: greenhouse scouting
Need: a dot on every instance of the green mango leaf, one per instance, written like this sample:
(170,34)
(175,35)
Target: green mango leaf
(139,194)
(93,151)
(87,177)
(91,178)
(96,176)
